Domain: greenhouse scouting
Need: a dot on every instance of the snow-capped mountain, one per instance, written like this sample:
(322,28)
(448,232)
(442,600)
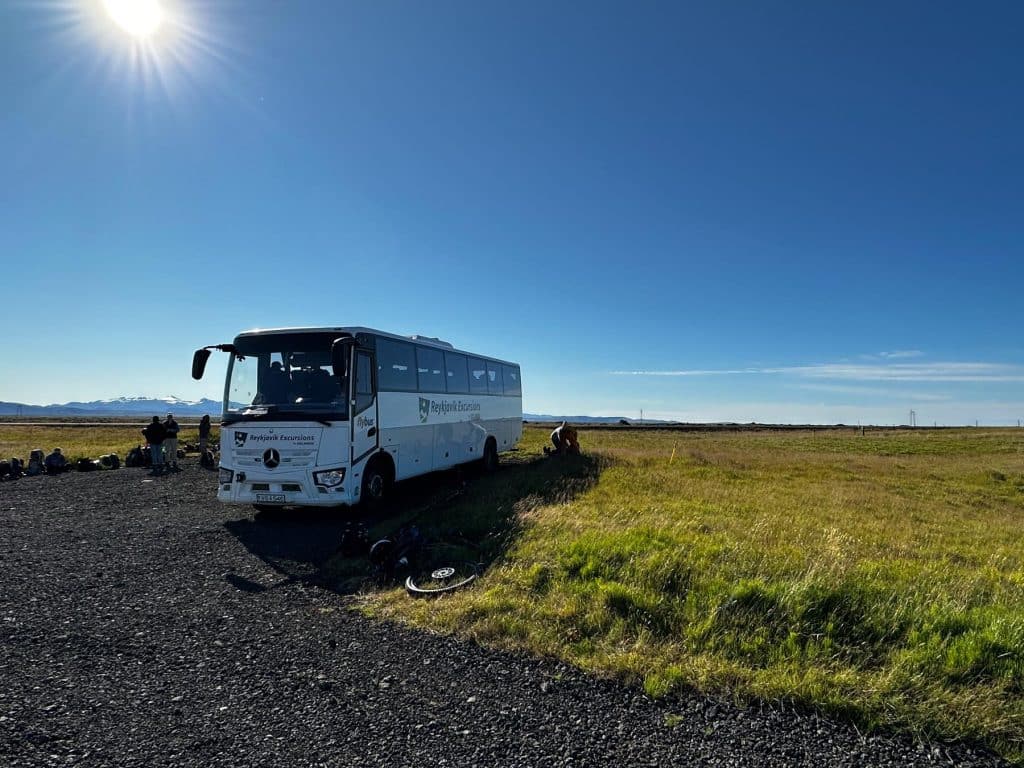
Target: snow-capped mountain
(118,406)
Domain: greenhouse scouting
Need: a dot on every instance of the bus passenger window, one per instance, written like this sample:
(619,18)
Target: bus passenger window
(455,373)
(396,366)
(494,385)
(512,385)
(477,376)
(430,369)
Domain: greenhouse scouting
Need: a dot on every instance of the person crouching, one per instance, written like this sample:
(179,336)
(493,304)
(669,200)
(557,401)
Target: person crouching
(565,440)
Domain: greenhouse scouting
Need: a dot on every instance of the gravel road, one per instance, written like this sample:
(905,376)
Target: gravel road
(142,623)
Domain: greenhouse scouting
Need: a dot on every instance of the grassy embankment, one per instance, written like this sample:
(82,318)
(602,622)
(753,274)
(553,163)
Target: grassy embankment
(80,441)
(880,577)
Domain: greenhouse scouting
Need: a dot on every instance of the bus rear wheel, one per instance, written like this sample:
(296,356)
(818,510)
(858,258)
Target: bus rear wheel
(489,462)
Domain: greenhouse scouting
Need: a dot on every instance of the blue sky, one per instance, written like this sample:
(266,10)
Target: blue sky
(711,211)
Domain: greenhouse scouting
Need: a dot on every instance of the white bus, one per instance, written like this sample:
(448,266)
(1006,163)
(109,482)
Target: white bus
(335,416)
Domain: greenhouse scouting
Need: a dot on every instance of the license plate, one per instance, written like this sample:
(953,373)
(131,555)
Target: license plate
(270,498)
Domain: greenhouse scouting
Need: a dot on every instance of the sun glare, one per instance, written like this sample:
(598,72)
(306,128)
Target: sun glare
(139,18)
(162,50)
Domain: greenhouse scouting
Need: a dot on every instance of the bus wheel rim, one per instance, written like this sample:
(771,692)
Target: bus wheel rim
(376,485)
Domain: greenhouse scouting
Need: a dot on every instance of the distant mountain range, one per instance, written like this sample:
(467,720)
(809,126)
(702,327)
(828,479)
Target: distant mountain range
(118,406)
(158,406)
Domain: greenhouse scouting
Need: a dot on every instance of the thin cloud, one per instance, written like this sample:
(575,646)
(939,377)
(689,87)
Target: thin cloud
(920,372)
(853,389)
(949,372)
(726,372)
(901,354)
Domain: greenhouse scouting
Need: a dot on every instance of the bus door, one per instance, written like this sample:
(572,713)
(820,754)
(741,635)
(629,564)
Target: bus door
(365,423)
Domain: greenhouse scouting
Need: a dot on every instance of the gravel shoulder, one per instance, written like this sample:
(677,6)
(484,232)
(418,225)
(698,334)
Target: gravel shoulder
(143,623)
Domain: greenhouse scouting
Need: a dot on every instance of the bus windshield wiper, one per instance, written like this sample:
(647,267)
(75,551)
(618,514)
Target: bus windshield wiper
(251,413)
(272,413)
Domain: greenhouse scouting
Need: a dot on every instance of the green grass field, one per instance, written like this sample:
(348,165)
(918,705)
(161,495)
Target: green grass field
(80,441)
(879,577)
(876,576)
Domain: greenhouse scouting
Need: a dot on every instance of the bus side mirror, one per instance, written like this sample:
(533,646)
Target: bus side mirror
(340,353)
(199,363)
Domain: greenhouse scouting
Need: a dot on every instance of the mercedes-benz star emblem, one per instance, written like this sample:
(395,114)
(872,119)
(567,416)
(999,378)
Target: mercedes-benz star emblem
(271,458)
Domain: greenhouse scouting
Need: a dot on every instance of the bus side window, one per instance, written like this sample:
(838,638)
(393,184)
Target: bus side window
(430,369)
(494,384)
(396,366)
(364,382)
(455,373)
(477,376)
(512,385)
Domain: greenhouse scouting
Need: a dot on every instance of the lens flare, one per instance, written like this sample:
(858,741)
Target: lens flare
(139,18)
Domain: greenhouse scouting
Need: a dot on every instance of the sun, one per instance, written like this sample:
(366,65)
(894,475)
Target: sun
(139,18)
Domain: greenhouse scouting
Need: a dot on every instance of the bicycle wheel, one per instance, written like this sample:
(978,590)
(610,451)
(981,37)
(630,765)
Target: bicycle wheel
(442,580)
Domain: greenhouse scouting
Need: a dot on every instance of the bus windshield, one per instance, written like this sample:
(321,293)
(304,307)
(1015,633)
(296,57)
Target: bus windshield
(285,373)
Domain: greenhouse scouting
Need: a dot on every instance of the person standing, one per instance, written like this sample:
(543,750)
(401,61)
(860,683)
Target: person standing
(171,442)
(204,434)
(155,434)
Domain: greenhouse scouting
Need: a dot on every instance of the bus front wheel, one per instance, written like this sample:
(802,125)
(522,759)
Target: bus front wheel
(375,484)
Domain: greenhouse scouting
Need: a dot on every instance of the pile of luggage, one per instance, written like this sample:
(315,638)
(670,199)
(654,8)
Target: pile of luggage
(11,470)
(54,463)
(142,456)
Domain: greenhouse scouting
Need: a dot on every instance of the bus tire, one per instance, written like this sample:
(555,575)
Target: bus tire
(376,483)
(489,462)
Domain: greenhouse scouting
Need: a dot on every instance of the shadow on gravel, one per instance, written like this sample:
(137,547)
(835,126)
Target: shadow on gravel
(462,516)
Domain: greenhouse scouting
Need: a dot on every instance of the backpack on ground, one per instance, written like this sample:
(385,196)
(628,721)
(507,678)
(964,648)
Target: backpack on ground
(86,465)
(134,457)
(5,469)
(206,459)
(17,468)
(35,463)
(110,461)
(355,540)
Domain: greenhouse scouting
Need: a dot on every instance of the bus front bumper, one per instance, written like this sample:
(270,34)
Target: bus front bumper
(281,489)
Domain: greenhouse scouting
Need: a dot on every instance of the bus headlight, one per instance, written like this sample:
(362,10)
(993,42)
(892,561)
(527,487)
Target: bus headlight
(329,478)
(225,475)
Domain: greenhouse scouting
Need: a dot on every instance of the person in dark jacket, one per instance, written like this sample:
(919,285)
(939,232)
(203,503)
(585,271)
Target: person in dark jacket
(204,434)
(155,434)
(55,463)
(171,443)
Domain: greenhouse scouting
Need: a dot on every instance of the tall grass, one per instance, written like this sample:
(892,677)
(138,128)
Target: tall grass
(879,576)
